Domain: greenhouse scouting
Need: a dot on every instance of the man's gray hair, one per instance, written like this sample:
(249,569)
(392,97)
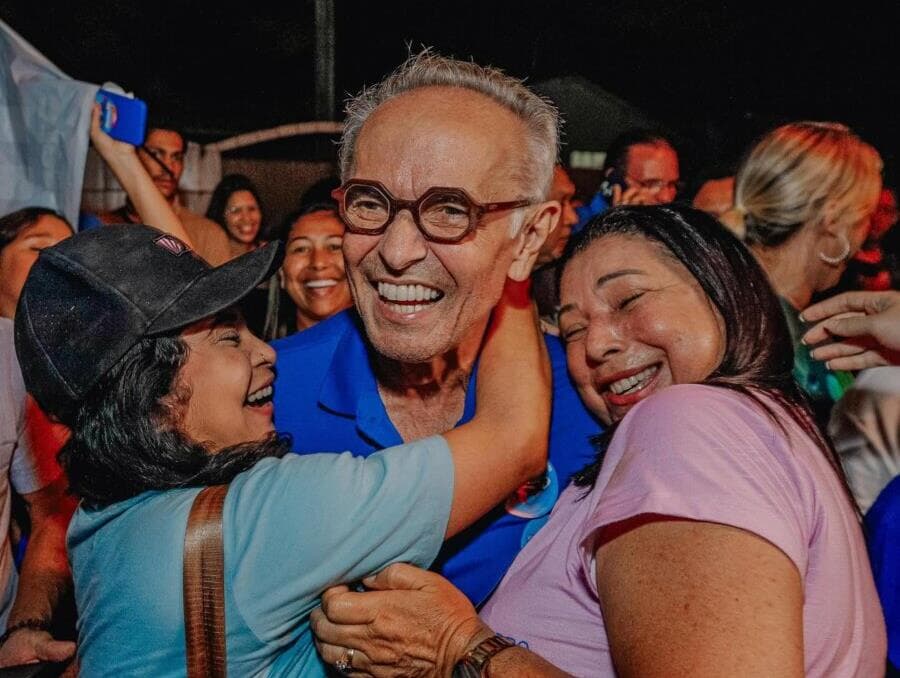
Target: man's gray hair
(428,69)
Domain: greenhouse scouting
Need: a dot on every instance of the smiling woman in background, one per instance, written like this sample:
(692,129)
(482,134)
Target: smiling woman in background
(236,207)
(312,275)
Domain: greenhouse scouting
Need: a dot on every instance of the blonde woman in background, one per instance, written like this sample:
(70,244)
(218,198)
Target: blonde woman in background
(804,197)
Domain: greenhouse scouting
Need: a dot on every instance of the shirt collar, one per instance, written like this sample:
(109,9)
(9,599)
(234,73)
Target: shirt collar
(350,377)
(350,388)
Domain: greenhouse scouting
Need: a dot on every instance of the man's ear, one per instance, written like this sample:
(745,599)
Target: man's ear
(532,237)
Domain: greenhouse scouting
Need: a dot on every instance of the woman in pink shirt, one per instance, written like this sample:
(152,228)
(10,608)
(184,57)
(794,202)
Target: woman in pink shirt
(715,535)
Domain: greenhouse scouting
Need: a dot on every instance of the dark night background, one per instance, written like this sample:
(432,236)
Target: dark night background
(716,73)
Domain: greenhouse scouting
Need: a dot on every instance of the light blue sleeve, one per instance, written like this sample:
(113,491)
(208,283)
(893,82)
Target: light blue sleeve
(297,525)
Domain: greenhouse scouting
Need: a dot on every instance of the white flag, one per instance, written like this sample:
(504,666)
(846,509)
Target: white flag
(44,130)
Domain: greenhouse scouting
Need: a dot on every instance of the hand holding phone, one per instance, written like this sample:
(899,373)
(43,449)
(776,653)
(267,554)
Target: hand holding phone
(122,117)
(613,179)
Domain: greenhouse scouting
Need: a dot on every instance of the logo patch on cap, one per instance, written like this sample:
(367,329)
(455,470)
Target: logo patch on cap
(171,244)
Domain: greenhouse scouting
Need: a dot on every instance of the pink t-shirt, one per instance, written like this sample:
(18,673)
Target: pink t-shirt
(706,454)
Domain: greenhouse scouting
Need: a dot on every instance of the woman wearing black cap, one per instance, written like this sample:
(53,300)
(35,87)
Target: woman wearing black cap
(29,442)
(129,338)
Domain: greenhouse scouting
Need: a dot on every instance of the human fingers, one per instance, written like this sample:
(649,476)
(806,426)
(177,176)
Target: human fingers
(424,627)
(838,349)
(860,361)
(616,197)
(27,646)
(819,332)
(333,633)
(632,196)
(106,146)
(863,302)
(335,591)
(95,116)
(358,664)
(54,650)
(856,325)
(352,607)
(16,651)
(381,650)
(402,576)
(97,135)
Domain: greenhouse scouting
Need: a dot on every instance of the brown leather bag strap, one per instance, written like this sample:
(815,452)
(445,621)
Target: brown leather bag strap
(204,585)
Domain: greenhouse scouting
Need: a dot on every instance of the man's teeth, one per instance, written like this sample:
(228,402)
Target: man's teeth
(392,292)
(261,394)
(633,383)
(406,308)
(315,284)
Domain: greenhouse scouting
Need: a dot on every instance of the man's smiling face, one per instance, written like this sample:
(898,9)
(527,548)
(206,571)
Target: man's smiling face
(420,299)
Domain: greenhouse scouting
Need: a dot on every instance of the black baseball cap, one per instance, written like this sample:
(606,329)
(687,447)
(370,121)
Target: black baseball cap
(93,296)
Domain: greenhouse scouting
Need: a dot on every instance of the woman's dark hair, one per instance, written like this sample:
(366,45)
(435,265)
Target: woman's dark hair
(230,184)
(320,191)
(124,439)
(284,229)
(15,222)
(759,355)
(163,123)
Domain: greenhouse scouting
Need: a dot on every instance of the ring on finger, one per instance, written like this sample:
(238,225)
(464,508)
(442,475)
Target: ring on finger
(345,663)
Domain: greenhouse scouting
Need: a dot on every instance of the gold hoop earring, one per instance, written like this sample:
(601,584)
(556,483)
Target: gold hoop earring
(834,261)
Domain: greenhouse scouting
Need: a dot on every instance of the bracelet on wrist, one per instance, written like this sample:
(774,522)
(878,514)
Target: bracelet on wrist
(33,624)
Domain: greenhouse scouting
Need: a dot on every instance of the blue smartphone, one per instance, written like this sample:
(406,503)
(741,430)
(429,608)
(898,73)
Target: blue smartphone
(122,118)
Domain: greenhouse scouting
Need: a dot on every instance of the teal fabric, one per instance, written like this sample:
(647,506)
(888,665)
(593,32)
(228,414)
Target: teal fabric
(292,527)
(824,387)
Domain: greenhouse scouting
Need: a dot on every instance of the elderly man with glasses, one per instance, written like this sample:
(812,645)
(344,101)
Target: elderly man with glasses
(446,167)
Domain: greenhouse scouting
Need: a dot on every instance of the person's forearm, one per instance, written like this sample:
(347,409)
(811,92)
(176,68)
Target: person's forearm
(490,462)
(44,578)
(148,202)
(511,662)
(45,574)
(521,663)
(505,444)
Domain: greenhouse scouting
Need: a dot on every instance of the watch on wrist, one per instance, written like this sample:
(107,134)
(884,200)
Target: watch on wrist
(475,661)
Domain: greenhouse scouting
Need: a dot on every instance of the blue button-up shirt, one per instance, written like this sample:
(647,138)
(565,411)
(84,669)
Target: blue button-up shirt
(326,397)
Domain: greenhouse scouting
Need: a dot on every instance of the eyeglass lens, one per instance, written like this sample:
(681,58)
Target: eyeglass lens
(443,214)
